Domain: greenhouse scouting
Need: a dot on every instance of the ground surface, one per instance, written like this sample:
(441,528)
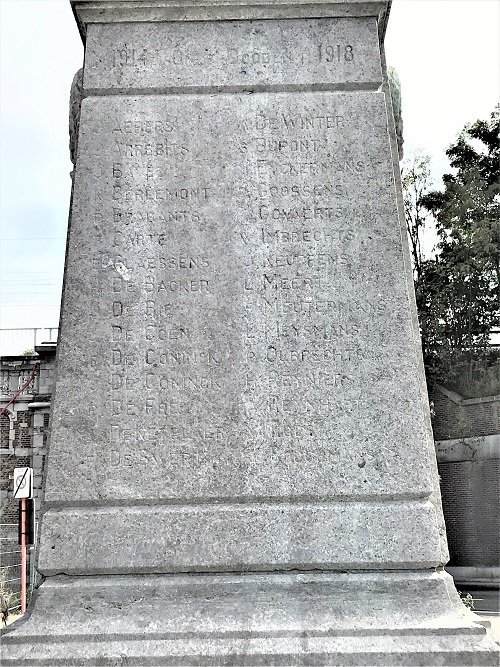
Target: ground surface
(495,626)
(487,606)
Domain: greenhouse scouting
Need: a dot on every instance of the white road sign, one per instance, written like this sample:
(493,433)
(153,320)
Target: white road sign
(23,482)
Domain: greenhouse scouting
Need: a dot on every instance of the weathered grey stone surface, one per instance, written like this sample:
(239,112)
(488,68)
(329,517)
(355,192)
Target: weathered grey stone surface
(395,91)
(281,619)
(75,103)
(234,54)
(239,386)
(90,12)
(253,536)
(252,341)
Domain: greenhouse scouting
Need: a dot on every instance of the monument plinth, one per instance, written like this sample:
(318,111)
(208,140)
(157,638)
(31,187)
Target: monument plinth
(241,464)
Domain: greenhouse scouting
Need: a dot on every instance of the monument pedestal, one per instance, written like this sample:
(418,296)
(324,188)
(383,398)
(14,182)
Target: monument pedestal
(328,618)
(241,466)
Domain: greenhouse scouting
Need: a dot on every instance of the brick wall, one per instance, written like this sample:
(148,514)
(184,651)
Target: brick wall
(468,452)
(457,417)
(471,504)
(45,429)
(4,431)
(23,429)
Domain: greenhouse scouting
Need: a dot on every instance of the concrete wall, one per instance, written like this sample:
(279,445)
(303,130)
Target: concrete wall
(467,432)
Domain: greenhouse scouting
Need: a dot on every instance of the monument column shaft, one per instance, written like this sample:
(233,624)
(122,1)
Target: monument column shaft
(241,464)
(253,366)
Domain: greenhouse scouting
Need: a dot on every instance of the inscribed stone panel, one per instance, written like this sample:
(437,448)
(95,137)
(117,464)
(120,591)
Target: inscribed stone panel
(252,334)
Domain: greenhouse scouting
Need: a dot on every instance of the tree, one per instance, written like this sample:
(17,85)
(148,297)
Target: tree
(458,291)
(416,179)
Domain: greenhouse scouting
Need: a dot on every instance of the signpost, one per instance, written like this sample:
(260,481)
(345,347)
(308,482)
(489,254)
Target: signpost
(23,489)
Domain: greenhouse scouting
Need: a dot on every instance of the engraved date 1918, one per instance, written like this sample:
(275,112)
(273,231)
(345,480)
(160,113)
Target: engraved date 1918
(335,53)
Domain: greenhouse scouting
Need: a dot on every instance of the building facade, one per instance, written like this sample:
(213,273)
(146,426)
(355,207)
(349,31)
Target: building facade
(24,421)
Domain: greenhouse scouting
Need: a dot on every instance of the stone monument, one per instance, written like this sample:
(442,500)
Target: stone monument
(241,466)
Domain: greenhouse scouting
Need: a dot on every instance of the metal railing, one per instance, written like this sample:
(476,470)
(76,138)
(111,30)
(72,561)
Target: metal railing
(13,380)
(10,569)
(20,341)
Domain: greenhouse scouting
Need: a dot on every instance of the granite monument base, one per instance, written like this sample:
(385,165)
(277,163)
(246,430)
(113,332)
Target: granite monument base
(322,618)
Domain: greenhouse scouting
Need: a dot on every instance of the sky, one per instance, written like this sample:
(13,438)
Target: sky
(446,52)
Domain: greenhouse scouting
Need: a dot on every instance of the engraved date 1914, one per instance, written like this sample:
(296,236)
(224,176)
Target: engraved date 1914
(126,55)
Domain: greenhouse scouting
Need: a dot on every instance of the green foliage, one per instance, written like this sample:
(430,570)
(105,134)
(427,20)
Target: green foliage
(9,600)
(481,380)
(28,353)
(458,291)
(416,179)
(467,599)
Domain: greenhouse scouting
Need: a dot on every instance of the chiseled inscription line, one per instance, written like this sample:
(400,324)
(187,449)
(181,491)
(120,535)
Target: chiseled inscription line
(247,88)
(305,502)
